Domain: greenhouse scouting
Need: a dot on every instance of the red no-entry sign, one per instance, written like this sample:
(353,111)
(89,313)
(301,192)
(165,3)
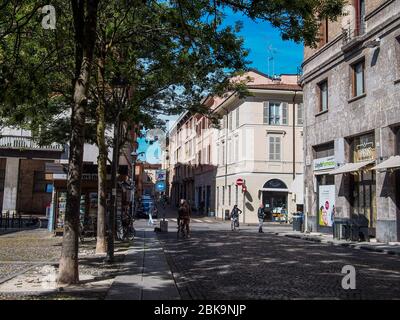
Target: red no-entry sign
(239,182)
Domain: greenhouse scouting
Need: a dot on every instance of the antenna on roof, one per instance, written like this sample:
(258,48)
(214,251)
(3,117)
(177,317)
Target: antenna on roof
(271,53)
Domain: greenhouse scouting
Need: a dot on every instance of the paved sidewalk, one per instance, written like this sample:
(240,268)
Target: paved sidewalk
(149,276)
(392,248)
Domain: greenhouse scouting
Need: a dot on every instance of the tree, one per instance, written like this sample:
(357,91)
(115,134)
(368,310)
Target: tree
(85,22)
(155,50)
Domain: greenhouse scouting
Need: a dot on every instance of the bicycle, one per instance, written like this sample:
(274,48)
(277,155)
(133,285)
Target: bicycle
(126,231)
(235,223)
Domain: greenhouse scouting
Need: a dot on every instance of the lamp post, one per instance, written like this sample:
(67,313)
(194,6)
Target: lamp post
(134,155)
(120,96)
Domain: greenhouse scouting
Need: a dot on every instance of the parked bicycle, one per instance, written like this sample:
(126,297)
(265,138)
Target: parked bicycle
(87,229)
(126,229)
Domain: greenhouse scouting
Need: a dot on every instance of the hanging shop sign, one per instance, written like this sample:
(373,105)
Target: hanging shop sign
(325,163)
(364,148)
(326,206)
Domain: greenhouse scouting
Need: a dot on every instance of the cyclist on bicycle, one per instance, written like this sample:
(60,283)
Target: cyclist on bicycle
(184,213)
(235,217)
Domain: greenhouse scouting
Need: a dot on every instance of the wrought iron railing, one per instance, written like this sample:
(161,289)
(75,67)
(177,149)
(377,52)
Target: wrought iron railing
(353,31)
(28,143)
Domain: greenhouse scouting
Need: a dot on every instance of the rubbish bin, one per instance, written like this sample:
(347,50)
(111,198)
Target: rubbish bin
(227,217)
(297,222)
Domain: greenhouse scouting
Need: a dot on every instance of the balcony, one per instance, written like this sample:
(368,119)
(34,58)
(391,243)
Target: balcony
(353,35)
(27,143)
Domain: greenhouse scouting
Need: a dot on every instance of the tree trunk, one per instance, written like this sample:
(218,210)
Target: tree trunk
(85,34)
(101,244)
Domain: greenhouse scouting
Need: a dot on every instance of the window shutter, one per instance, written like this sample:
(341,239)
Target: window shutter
(284,113)
(266,112)
(278,148)
(271,148)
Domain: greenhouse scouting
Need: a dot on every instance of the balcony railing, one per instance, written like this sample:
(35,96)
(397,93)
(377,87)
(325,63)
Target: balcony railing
(353,31)
(27,143)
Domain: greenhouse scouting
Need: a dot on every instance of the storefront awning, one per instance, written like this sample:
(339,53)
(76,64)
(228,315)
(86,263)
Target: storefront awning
(274,189)
(391,163)
(351,167)
(320,173)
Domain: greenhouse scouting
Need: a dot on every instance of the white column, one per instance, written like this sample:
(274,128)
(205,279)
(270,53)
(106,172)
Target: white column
(11,185)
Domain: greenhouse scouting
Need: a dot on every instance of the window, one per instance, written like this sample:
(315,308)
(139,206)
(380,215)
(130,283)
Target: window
(274,148)
(223,195)
(237,195)
(229,195)
(209,154)
(323,32)
(324,150)
(2,179)
(237,117)
(39,181)
(217,197)
(275,113)
(236,149)
(358,78)
(230,121)
(300,114)
(360,17)
(323,96)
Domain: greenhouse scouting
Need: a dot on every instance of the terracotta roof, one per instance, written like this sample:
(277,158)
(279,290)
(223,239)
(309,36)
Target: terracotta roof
(276,86)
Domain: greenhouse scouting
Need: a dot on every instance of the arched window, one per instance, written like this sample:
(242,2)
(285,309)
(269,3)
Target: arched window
(275,184)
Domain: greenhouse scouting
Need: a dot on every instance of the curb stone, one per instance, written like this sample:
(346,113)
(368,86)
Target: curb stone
(348,245)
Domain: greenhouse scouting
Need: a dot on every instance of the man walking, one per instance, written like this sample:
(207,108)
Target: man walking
(261,215)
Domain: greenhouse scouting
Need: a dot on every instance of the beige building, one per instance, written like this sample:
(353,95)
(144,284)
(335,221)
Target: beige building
(261,142)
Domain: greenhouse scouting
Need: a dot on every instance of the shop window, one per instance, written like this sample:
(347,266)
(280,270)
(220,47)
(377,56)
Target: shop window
(39,181)
(323,96)
(363,148)
(358,77)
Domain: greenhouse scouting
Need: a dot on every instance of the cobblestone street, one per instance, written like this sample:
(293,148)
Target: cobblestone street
(216,263)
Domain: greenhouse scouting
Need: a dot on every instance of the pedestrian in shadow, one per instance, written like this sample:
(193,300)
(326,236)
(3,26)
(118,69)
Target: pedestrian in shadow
(261,215)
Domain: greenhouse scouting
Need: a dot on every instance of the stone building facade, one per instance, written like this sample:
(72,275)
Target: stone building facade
(260,141)
(351,85)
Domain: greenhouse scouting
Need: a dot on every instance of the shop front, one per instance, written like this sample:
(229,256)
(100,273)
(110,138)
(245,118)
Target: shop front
(275,200)
(361,180)
(89,196)
(324,182)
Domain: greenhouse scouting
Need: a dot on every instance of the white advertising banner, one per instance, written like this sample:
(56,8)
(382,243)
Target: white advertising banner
(326,205)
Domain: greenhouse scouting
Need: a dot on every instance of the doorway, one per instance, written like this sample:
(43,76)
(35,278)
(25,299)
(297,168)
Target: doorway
(274,203)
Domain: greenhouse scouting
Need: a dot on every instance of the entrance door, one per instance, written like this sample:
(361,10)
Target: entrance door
(274,202)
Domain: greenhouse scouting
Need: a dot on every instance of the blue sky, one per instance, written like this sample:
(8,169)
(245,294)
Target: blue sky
(258,37)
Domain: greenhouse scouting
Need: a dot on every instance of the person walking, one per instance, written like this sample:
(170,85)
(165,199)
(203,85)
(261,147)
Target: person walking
(150,221)
(261,215)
